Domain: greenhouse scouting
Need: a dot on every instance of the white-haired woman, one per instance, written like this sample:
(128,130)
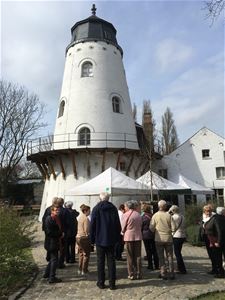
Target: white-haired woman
(163,226)
(179,237)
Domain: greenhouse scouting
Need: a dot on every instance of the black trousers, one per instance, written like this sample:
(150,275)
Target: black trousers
(210,253)
(102,253)
(70,249)
(151,253)
(119,247)
(177,245)
(62,251)
(52,257)
(217,258)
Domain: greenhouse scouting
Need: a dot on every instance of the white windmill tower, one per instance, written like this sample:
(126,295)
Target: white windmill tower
(94,128)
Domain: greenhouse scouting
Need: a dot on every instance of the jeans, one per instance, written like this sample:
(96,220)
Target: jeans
(177,244)
(52,264)
(107,252)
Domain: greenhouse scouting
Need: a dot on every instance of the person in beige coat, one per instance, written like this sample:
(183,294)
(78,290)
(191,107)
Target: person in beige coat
(83,239)
(163,226)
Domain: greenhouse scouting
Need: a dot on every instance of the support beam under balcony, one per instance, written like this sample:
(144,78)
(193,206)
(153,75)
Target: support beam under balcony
(119,159)
(103,160)
(51,167)
(62,167)
(145,168)
(46,170)
(138,168)
(73,160)
(42,171)
(130,164)
(88,164)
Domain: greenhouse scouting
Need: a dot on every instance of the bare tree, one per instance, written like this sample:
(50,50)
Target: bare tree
(148,124)
(134,111)
(214,8)
(169,133)
(27,170)
(20,118)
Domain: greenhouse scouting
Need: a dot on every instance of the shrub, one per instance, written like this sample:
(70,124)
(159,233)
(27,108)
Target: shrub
(193,215)
(16,262)
(193,235)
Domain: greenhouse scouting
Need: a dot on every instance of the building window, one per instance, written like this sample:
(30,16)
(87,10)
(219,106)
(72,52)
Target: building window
(190,199)
(220,197)
(163,173)
(87,69)
(84,137)
(61,109)
(116,105)
(205,153)
(220,173)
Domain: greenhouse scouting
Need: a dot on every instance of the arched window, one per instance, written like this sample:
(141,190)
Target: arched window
(61,109)
(116,105)
(84,136)
(87,69)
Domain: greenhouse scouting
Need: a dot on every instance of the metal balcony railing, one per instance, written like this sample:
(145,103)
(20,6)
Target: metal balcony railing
(79,141)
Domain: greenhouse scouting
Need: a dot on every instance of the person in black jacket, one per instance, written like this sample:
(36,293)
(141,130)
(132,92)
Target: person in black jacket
(48,211)
(64,217)
(215,230)
(71,232)
(105,233)
(53,234)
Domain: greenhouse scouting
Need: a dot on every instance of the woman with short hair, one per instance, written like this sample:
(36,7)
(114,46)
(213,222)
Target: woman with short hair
(179,237)
(83,239)
(131,229)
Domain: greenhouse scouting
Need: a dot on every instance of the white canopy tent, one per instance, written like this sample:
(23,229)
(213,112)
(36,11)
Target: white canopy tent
(161,184)
(112,182)
(187,183)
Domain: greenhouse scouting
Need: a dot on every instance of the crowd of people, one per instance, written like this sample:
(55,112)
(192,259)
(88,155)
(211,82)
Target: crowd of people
(111,230)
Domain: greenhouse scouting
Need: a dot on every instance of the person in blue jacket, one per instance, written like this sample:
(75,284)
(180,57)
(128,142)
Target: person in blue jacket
(105,233)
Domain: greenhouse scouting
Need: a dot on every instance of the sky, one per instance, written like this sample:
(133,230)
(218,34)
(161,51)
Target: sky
(173,56)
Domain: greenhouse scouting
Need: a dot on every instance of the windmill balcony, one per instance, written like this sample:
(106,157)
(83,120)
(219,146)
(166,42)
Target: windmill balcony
(98,140)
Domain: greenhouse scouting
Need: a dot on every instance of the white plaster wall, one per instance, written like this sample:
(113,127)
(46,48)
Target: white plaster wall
(187,159)
(89,99)
(60,186)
